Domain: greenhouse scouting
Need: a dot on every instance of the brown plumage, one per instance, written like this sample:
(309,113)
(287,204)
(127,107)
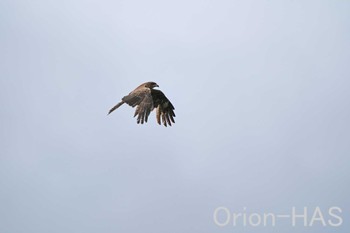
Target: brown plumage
(145,99)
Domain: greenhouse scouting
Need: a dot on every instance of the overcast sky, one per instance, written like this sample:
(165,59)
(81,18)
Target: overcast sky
(262,102)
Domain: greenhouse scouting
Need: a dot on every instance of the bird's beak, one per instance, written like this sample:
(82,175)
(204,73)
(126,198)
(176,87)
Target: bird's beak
(157,85)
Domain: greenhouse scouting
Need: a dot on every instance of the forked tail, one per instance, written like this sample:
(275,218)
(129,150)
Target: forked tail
(115,107)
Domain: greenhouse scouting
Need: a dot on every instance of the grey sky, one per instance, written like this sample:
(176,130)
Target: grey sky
(262,103)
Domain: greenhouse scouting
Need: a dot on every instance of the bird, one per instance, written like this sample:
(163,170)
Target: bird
(145,98)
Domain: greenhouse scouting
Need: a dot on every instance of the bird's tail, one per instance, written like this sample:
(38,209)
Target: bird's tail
(115,107)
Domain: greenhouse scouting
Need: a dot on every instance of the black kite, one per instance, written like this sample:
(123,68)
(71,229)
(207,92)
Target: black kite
(145,98)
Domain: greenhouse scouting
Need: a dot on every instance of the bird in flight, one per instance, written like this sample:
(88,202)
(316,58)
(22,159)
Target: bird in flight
(145,99)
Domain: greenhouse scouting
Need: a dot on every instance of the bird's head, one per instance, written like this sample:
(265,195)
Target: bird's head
(151,85)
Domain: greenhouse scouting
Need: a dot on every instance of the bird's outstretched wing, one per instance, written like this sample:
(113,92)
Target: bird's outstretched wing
(165,110)
(142,98)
